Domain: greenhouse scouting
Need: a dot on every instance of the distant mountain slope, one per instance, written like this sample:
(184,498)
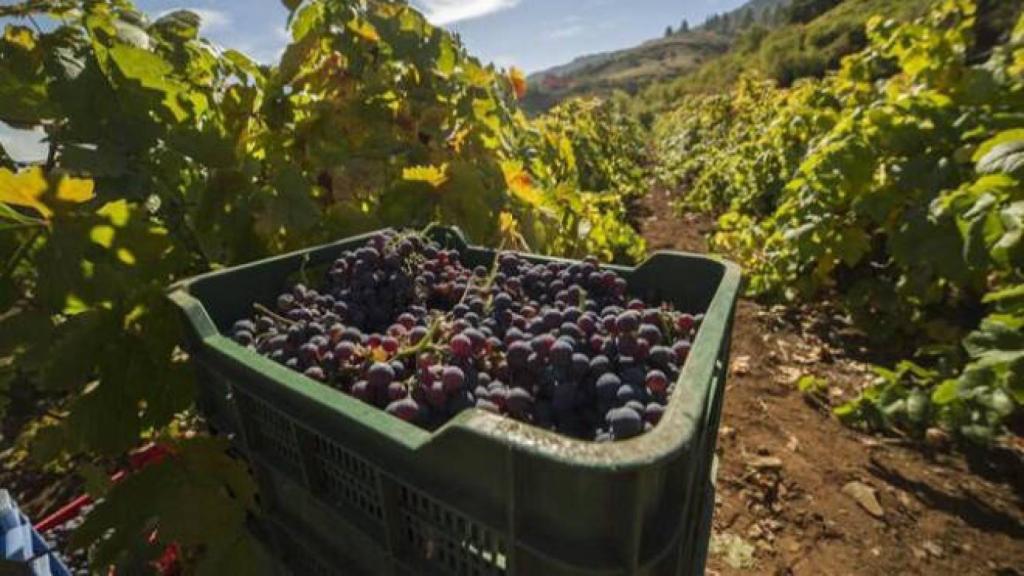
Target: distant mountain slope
(788,51)
(634,68)
(628,70)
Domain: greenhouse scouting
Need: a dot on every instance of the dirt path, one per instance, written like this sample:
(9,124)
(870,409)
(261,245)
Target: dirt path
(781,506)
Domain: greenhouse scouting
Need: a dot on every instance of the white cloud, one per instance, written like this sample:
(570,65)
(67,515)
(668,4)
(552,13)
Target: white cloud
(441,12)
(570,31)
(209,19)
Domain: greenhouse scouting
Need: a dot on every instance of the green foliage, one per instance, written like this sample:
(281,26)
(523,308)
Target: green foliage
(801,11)
(784,52)
(896,186)
(170,157)
(196,496)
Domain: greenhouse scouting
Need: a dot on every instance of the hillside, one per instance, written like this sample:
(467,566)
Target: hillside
(787,52)
(654,61)
(769,42)
(628,70)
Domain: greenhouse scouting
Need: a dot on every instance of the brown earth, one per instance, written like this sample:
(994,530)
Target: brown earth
(781,506)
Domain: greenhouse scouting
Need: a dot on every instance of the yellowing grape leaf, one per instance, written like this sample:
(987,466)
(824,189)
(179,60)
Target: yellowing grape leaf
(436,176)
(520,183)
(518,81)
(364,30)
(508,223)
(76,190)
(20,36)
(24,189)
(446,57)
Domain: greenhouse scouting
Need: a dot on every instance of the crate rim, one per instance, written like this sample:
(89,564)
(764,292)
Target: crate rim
(677,429)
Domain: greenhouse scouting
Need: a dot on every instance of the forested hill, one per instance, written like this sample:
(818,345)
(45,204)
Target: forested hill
(781,40)
(684,48)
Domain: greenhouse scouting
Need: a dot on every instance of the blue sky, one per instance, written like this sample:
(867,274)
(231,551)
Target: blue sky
(529,34)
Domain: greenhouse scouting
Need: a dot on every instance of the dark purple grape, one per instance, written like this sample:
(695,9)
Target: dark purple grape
(436,396)
(397,391)
(625,423)
(285,302)
(653,412)
(452,378)
(461,346)
(316,373)
(380,375)
(344,351)
(518,354)
(276,343)
(681,350)
(600,365)
(561,353)
(309,354)
(417,334)
(244,326)
(580,366)
(362,391)
(661,356)
(650,333)
(608,385)
(626,393)
(634,375)
(685,323)
(244,338)
(642,349)
(542,344)
(518,401)
(651,316)
(656,382)
(476,339)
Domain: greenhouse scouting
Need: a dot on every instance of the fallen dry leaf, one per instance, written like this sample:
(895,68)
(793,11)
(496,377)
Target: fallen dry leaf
(788,374)
(865,496)
(740,366)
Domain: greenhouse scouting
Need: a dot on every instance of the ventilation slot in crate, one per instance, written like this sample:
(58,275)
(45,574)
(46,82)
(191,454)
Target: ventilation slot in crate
(447,541)
(271,434)
(300,561)
(347,481)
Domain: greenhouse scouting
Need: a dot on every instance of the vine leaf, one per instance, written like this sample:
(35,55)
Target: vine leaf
(288,205)
(1003,153)
(197,496)
(518,81)
(25,189)
(435,176)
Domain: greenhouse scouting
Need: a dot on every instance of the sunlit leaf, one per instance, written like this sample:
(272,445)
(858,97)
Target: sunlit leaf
(25,189)
(518,81)
(435,176)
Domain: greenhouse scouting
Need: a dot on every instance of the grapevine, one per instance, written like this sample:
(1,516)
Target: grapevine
(170,157)
(895,185)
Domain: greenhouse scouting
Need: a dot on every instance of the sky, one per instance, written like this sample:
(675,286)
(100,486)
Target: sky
(529,34)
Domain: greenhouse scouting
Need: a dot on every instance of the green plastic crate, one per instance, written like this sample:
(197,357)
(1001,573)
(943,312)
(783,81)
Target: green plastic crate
(359,492)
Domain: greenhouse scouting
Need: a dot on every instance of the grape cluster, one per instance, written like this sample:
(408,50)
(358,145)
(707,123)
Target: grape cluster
(404,325)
